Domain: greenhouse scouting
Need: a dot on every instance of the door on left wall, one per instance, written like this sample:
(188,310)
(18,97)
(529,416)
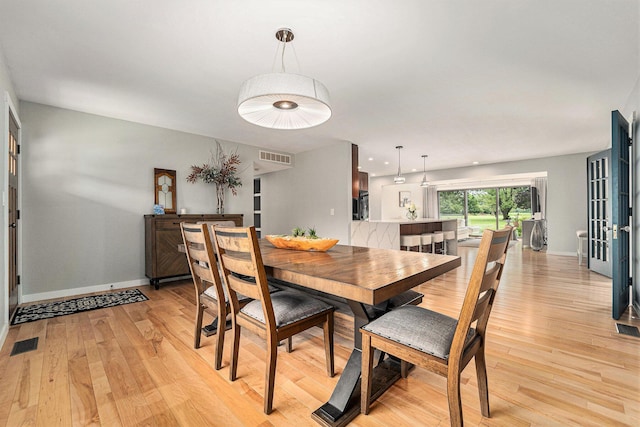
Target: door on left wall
(14,214)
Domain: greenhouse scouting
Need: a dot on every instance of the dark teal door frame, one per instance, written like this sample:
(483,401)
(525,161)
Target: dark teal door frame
(620,212)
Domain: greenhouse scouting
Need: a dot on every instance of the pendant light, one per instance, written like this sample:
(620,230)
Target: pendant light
(399,179)
(424,182)
(283,100)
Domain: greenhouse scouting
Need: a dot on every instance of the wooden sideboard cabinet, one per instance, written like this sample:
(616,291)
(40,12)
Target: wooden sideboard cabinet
(162,237)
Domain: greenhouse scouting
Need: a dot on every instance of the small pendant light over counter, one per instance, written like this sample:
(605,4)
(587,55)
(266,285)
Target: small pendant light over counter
(424,182)
(283,100)
(399,179)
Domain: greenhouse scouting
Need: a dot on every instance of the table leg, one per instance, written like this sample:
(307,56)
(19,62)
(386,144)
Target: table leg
(344,403)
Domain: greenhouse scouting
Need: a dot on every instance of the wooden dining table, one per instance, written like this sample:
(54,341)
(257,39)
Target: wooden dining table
(366,278)
(363,277)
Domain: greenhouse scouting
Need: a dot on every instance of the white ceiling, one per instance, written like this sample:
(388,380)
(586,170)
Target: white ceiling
(459,80)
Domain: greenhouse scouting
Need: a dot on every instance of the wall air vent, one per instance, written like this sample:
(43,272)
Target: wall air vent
(283,159)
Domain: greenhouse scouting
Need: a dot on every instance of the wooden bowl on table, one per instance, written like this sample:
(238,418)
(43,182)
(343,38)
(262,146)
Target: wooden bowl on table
(301,243)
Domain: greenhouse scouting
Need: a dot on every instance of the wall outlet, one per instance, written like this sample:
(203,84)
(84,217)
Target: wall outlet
(332,212)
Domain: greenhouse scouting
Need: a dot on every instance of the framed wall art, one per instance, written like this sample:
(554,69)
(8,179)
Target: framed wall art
(164,183)
(405,198)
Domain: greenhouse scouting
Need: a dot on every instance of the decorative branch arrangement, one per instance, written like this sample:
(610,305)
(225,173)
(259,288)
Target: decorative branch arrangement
(221,170)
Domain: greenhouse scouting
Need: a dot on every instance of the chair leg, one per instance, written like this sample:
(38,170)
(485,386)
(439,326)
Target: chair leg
(289,344)
(483,387)
(367,367)
(328,345)
(222,326)
(270,375)
(235,345)
(453,395)
(197,333)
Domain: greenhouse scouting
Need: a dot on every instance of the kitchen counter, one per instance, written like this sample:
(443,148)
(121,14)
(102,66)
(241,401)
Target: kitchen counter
(386,233)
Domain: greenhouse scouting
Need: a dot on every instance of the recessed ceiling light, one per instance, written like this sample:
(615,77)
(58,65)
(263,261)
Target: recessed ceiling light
(386,163)
(370,159)
(475,163)
(414,169)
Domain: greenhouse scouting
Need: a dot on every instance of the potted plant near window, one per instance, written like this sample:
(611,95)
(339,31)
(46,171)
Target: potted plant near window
(221,170)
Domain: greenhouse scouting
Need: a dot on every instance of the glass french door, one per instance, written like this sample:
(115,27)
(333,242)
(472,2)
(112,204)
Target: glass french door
(599,196)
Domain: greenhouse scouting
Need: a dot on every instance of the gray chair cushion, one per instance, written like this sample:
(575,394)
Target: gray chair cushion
(288,307)
(418,328)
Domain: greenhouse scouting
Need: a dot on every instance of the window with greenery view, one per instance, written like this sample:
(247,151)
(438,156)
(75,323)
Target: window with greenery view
(491,208)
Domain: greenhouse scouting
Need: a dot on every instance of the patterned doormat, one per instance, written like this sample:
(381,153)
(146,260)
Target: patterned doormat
(47,310)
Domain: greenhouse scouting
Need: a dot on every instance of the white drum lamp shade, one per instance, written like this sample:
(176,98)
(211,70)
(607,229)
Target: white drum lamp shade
(284,101)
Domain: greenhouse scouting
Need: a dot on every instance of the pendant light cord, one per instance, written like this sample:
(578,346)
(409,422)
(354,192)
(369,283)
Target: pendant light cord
(284,46)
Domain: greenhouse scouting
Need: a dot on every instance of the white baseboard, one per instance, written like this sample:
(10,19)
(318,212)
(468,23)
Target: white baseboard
(80,291)
(573,254)
(3,333)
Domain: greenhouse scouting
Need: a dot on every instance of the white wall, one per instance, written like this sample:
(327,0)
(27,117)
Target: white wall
(87,181)
(390,200)
(305,195)
(5,81)
(566,192)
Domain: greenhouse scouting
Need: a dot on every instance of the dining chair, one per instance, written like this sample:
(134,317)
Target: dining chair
(207,282)
(274,316)
(440,343)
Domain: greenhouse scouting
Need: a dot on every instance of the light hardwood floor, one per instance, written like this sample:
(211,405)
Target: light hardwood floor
(553,358)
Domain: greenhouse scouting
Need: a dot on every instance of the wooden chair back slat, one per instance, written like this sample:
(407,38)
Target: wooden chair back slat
(204,273)
(483,302)
(193,233)
(239,264)
(244,287)
(499,242)
(234,241)
(197,254)
(194,242)
(490,277)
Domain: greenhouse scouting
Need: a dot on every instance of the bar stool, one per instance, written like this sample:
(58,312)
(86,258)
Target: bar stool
(449,235)
(438,237)
(582,237)
(425,240)
(410,241)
